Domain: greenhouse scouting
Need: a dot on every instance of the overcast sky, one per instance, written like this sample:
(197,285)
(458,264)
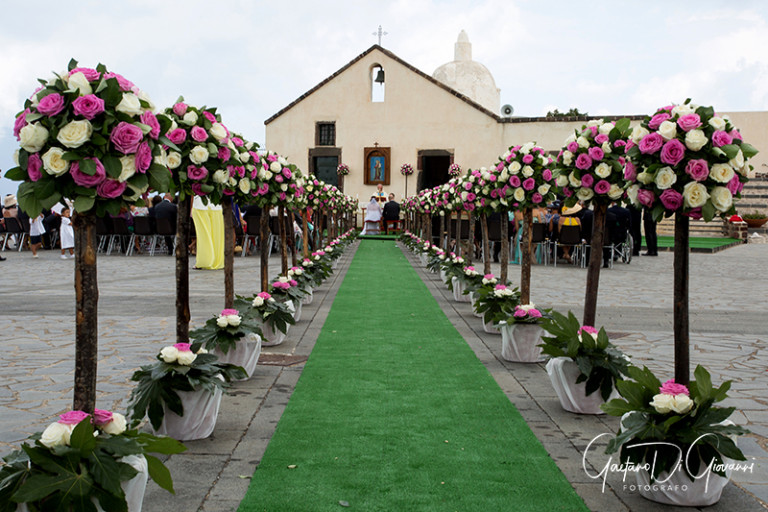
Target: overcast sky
(251,59)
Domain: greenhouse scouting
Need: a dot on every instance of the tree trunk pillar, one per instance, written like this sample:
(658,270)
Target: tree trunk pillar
(86,311)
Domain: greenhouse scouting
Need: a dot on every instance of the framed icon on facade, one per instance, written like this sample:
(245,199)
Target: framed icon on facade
(377,166)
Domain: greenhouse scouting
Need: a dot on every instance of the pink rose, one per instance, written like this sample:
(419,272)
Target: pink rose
(547,175)
(87,180)
(265,295)
(197,189)
(697,169)
(227,312)
(196,173)
(51,105)
(601,138)
(651,143)
(602,187)
(150,119)
(519,313)
(735,134)
(20,122)
(471,196)
(209,116)
(583,161)
(527,159)
(110,188)
(101,417)
(293,282)
(124,83)
(619,143)
(588,329)
(573,146)
(287,173)
(89,73)
(536,198)
(656,120)
(228,192)
(467,186)
(272,157)
(224,153)
(238,142)
(73,417)
(734,186)
(694,214)
(672,152)
(198,133)
(529,184)
(645,197)
(34,163)
(587,180)
(630,172)
(126,137)
(180,109)
(672,388)
(499,166)
(721,138)
(143,157)
(282,196)
(596,153)
(688,122)
(177,136)
(88,106)
(183,347)
(671,199)
(535,313)
(279,178)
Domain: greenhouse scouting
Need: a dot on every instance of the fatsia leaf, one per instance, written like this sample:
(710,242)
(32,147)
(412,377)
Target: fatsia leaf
(159,473)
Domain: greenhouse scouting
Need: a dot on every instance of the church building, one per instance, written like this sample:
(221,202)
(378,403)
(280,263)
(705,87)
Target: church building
(378,112)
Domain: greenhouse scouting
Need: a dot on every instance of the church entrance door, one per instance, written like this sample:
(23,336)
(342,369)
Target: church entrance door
(434,168)
(325,169)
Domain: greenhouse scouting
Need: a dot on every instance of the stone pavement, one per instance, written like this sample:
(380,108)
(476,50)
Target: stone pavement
(728,336)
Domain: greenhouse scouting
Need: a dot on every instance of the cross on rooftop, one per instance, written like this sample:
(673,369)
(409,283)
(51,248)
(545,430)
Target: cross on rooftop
(380,33)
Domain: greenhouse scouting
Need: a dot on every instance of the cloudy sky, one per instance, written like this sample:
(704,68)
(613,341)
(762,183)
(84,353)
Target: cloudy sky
(251,58)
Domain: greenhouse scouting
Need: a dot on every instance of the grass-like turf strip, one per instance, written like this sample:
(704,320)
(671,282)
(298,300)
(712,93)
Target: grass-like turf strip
(394,412)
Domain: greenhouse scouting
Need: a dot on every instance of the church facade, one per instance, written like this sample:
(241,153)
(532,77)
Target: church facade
(378,112)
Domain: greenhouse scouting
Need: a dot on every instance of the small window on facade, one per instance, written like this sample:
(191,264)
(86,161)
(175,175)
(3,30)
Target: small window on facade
(377,84)
(325,134)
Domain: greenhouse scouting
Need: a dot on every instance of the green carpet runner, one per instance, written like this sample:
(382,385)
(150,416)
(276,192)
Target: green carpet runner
(394,412)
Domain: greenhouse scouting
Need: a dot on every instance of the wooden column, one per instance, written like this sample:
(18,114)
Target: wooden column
(680,311)
(305,233)
(471,237)
(595,262)
(504,260)
(183,215)
(86,312)
(283,245)
(264,236)
(291,238)
(229,252)
(486,246)
(442,231)
(525,257)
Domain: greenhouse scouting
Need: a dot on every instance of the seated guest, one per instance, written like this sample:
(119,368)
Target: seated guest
(391,210)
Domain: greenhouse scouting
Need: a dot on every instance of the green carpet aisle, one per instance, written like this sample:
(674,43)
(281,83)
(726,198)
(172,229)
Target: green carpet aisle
(394,412)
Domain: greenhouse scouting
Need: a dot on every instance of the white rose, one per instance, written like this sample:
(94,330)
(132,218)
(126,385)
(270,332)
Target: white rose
(504,176)
(198,155)
(190,118)
(527,171)
(615,192)
(682,110)
(221,176)
(519,194)
(244,185)
(605,128)
(169,354)
(717,123)
(585,194)
(561,180)
(284,187)
(567,157)
(582,142)
(56,434)
(506,155)
(527,147)
(645,178)
(594,122)
(218,131)
(544,189)
(494,204)
(722,199)
(117,426)
(174,159)
(464,196)
(665,178)
(186,357)
(283,162)
(130,104)
(234,320)
(162,158)
(668,130)
(638,133)
(681,404)
(737,162)
(514,167)
(695,140)
(573,180)
(275,167)
(632,194)
(662,403)
(722,173)
(603,170)
(695,194)
(174,125)
(244,157)
(606,147)
(258,302)
(78,82)
(222,322)
(268,175)
(16,157)
(145,97)
(75,133)
(53,162)
(128,163)
(32,137)
(569,139)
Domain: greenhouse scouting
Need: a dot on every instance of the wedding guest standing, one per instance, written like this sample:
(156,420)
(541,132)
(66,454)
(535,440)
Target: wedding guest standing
(66,234)
(651,242)
(36,231)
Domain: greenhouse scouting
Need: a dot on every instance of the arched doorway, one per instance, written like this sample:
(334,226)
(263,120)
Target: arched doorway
(433,167)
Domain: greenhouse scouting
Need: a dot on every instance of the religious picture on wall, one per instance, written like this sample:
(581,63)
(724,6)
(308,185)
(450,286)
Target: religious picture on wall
(377,166)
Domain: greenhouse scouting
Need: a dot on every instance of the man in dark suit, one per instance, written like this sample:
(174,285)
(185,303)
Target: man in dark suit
(391,210)
(618,222)
(165,209)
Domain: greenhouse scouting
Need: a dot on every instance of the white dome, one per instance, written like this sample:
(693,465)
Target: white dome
(470,78)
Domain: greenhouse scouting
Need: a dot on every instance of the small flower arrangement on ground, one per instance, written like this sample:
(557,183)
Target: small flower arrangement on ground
(453,266)
(406,170)
(342,170)
(306,283)
(270,312)
(528,314)
(180,367)
(224,330)
(471,279)
(496,302)
(600,363)
(317,267)
(80,458)
(671,427)
(286,289)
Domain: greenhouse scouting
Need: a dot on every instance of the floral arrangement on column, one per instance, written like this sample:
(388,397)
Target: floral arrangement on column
(406,169)
(243,165)
(342,169)
(454,170)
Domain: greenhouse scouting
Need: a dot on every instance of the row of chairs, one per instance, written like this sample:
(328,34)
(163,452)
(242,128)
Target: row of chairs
(14,227)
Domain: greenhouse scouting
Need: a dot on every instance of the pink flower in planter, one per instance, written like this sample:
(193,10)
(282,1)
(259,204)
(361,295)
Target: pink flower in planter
(183,347)
(72,417)
(672,388)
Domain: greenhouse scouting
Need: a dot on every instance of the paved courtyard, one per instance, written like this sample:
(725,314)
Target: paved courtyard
(728,335)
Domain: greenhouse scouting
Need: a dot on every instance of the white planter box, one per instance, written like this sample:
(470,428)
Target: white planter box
(519,342)
(443,276)
(458,290)
(473,298)
(423,259)
(201,409)
(272,337)
(490,328)
(296,307)
(669,490)
(563,373)
(307,300)
(245,354)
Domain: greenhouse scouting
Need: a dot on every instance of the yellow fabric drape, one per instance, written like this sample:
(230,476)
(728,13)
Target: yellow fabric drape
(209,226)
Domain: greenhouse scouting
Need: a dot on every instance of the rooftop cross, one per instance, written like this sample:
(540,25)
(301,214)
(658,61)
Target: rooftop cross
(380,33)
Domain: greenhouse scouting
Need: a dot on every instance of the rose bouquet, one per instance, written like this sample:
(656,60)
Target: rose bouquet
(279,182)
(528,314)
(406,169)
(524,177)
(672,428)
(243,164)
(305,279)
(199,152)
(182,367)
(88,135)
(224,331)
(454,170)
(318,267)
(286,289)
(687,159)
(471,279)
(600,364)
(270,312)
(591,164)
(83,461)
(342,170)
(452,266)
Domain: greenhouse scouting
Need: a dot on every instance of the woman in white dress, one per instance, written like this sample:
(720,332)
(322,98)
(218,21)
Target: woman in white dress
(372,218)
